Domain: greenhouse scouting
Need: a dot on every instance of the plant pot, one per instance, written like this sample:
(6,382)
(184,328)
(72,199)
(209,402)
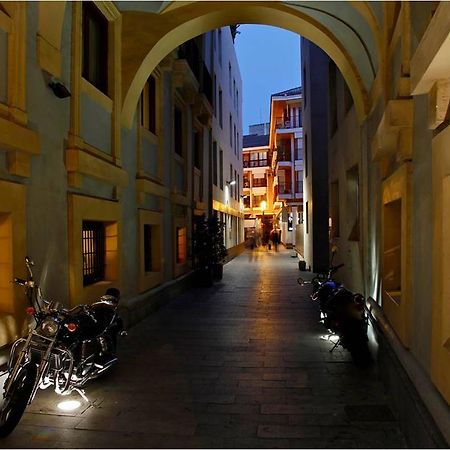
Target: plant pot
(218,271)
(204,277)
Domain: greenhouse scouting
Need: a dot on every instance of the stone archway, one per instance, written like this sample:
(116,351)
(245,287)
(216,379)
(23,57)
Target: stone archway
(355,44)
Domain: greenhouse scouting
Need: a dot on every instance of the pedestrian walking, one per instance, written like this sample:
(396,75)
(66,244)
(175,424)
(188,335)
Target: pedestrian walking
(275,239)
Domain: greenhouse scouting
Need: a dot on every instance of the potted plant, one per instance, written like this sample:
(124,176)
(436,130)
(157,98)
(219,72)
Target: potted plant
(218,249)
(202,252)
(209,249)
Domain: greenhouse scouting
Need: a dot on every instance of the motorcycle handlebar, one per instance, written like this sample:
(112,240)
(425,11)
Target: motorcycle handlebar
(20,282)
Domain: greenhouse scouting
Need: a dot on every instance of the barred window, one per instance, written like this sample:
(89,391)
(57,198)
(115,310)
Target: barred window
(147,248)
(93,244)
(181,245)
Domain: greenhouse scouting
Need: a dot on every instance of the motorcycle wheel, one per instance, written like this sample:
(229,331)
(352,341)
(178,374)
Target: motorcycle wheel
(16,401)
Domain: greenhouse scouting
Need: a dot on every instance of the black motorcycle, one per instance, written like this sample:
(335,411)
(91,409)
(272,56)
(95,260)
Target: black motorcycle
(64,348)
(342,313)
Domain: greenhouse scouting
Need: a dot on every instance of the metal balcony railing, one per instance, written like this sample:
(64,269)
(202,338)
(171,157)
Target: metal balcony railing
(256,163)
(259,182)
(288,122)
(284,188)
(284,154)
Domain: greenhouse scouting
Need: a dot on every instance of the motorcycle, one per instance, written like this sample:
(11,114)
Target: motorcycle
(65,348)
(342,313)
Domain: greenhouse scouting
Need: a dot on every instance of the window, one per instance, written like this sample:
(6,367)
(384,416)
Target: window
(231,131)
(214,163)
(237,103)
(299,182)
(178,129)
(234,93)
(95,47)
(235,140)
(220,108)
(181,245)
(229,79)
(238,146)
(221,168)
(334,209)
(197,150)
(148,105)
(147,248)
(236,185)
(231,179)
(93,247)
(392,249)
(352,210)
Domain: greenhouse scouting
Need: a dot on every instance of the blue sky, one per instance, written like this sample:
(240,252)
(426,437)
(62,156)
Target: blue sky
(269,61)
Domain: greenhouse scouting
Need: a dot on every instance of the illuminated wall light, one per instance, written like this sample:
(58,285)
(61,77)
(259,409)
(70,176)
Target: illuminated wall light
(69,405)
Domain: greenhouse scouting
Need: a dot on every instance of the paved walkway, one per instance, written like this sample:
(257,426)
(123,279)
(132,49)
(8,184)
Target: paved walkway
(238,365)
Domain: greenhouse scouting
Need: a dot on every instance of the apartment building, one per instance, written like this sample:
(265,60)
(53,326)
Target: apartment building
(286,145)
(227,173)
(94,202)
(313,240)
(258,181)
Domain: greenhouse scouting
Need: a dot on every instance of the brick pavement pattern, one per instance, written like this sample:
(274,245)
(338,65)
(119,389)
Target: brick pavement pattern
(238,365)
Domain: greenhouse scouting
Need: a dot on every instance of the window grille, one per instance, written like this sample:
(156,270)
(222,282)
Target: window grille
(93,243)
(181,245)
(147,248)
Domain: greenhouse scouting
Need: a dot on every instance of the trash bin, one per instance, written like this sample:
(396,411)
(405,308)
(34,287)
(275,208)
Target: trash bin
(302,265)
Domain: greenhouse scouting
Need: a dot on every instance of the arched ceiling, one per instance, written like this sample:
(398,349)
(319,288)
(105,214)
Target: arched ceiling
(349,32)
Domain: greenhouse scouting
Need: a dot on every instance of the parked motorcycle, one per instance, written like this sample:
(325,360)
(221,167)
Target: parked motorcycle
(65,348)
(342,313)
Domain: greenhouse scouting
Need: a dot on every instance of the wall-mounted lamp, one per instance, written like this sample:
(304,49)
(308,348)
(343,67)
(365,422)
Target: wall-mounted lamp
(231,183)
(58,88)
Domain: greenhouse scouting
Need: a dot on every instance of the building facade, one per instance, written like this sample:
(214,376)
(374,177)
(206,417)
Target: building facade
(286,144)
(258,183)
(313,241)
(93,202)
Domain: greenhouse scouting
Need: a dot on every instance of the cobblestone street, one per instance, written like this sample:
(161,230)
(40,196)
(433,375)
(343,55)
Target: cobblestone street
(238,365)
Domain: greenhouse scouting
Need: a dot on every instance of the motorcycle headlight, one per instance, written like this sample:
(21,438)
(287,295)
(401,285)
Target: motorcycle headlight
(49,327)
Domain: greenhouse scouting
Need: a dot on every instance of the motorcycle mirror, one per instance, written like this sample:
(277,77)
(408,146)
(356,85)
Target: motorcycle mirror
(334,249)
(29,261)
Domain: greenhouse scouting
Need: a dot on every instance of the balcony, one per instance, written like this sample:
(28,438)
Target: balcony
(284,189)
(259,182)
(256,163)
(286,123)
(284,155)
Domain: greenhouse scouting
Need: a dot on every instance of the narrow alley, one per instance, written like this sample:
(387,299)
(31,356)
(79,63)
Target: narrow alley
(238,365)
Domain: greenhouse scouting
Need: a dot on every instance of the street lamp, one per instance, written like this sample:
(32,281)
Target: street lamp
(263,206)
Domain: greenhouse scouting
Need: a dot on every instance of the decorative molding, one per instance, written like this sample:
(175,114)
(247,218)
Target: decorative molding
(79,162)
(49,57)
(430,61)
(394,132)
(147,186)
(438,102)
